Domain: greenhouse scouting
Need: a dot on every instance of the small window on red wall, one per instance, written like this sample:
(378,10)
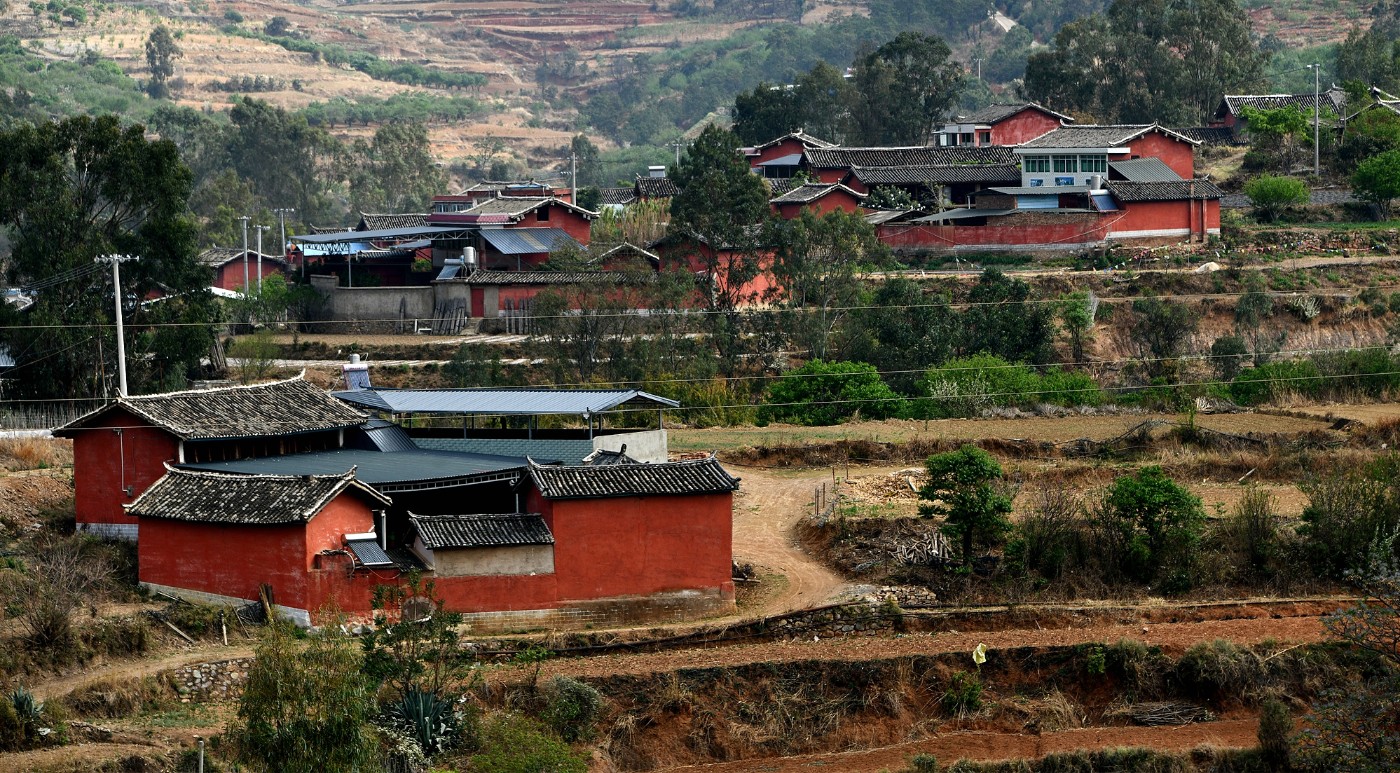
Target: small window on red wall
(543,212)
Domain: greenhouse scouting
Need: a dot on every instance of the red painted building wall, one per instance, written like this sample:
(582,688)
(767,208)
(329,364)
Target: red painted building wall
(229,276)
(1178,155)
(917,236)
(833,175)
(1192,218)
(568,220)
(1023,127)
(831,202)
(787,147)
(651,544)
(105,461)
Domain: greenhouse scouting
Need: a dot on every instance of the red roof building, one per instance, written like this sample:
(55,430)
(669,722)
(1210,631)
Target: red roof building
(228,266)
(821,198)
(1001,125)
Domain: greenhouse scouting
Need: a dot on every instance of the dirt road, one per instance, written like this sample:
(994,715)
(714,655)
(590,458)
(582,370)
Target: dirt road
(765,511)
(135,669)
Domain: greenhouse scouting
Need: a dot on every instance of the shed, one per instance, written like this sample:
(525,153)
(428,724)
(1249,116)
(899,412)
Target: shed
(484,544)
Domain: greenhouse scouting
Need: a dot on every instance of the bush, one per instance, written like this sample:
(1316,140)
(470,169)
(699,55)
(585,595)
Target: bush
(964,694)
(1252,534)
(1271,381)
(821,393)
(1345,512)
(1270,194)
(1227,355)
(11,728)
(1159,524)
(967,385)
(1275,731)
(511,743)
(571,708)
(1047,540)
(1211,669)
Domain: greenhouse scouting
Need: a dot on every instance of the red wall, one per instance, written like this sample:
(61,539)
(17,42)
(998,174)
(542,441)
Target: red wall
(1023,127)
(639,545)
(230,275)
(752,291)
(1164,215)
(912,236)
(568,220)
(832,175)
(1178,155)
(100,456)
(837,199)
(234,560)
(787,147)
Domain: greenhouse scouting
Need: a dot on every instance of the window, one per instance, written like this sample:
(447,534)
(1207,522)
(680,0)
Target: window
(984,138)
(543,215)
(1037,163)
(1065,164)
(1093,164)
(966,138)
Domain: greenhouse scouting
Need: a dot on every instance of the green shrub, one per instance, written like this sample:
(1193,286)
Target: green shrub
(1227,355)
(821,393)
(923,763)
(1346,510)
(430,718)
(1275,732)
(1219,667)
(571,708)
(1269,382)
(1270,194)
(1158,525)
(966,385)
(511,743)
(1138,666)
(11,728)
(963,695)
(1369,371)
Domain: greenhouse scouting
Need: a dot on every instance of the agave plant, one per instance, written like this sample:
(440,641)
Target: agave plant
(27,708)
(430,717)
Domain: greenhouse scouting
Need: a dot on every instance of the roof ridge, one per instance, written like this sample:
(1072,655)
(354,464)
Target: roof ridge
(299,377)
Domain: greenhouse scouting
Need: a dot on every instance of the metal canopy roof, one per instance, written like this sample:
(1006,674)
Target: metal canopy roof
(501,402)
(1145,170)
(339,237)
(384,471)
(792,159)
(963,214)
(527,241)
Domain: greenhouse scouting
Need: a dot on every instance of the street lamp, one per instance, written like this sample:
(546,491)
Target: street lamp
(1317,116)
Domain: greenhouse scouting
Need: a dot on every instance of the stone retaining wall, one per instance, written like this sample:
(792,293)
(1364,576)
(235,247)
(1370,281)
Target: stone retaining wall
(221,680)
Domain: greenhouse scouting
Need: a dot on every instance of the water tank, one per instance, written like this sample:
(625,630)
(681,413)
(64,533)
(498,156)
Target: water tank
(469,257)
(656,171)
(1096,182)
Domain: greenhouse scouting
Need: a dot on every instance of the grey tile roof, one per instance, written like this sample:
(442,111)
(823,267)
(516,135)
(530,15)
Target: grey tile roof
(618,196)
(992,114)
(497,186)
(703,476)
(1208,135)
(218,256)
(1163,191)
(938,175)
(810,192)
(481,531)
(548,278)
(777,186)
(603,457)
(517,207)
(258,500)
(265,410)
(1145,170)
(656,187)
(379,222)
(886,215)
(1097,136)
(1234,103)
(503,402)
(623,249)
(845,158)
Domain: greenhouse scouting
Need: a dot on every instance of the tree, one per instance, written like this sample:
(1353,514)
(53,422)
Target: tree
(287,161)
(1227,356)
(765,113)
(815,273)
(1160,523)
(903,89)
(1281,132)
(822,393)
(721,212)
(77,189)
(824,97)
(1000,320)
(1148,60)
(586,157)
(1370,55)
(890,197)
(1377,180)
(964,487)
(398,172)
(1270,194)
(306,710)
(1161,330)
(901,331)
(1077,317)
(161,53)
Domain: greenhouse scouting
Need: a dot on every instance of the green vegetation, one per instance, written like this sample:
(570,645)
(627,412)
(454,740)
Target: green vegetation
(966,489)
(1269,194)
(409,73)
(829,392)
(36,88)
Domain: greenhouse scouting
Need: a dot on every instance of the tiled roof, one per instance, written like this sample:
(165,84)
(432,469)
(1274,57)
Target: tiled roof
(481,531)
(519,206)
(545,278)
(656,188)
(938,175)
(378,222)
(618,196)
(1163,191)
(603,457)
(992,114)
(265,410)
(810,192)
(1098,136)
(800,136)
(1234,103)
(260,500)
(504,402)
(887,215)
(1208,135)
(703,476)
(625,248)
(777,186)
(845,158)
(218,256)
(496,186)
(1145,170)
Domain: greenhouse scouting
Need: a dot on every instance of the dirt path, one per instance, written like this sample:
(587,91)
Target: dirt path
(135,669)
(1174,637)
(971,745)
(765,512)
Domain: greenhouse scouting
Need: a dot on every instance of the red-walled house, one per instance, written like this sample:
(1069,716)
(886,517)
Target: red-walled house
(782,157)
(122,448)
(947,184)
(1001,125)
(837,165)
(697,256)
(515,232)
(220,538)
(1227,114)
(1074,155)
(227,265)
(821,198)
(494,292)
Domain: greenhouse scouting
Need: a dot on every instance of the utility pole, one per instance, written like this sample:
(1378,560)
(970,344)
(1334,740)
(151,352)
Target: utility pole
(282,213)
(573,179)
(1317,116)
(245,220)
(260,228)
(116,261)
(678,144)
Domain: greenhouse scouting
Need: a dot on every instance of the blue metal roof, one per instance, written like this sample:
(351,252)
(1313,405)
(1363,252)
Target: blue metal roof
(337,237)
(501,402)
(525,241)
(372,467)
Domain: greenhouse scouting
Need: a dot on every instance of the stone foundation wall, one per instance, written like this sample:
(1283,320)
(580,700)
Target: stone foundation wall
(218,681)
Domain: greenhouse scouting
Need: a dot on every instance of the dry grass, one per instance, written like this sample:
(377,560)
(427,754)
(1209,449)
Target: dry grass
(34,453)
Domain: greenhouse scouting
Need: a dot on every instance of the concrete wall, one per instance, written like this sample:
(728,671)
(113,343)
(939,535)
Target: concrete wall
(644,445)
(482,562)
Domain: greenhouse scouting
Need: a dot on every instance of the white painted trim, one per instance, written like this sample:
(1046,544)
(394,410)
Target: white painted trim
(1151,232)
(299,616)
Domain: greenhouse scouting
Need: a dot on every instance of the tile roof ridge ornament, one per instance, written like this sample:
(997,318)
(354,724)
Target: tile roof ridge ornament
(231,387)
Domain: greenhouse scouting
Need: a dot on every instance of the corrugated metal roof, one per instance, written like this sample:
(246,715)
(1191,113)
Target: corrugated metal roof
(886,215)
(1039,190)
(550,278)
(792,159)
(525,241)
(502,402)
(962,214)
(1145,170)
(702,476)
(382,436)
(440,532)
(383,233)
(372,467)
